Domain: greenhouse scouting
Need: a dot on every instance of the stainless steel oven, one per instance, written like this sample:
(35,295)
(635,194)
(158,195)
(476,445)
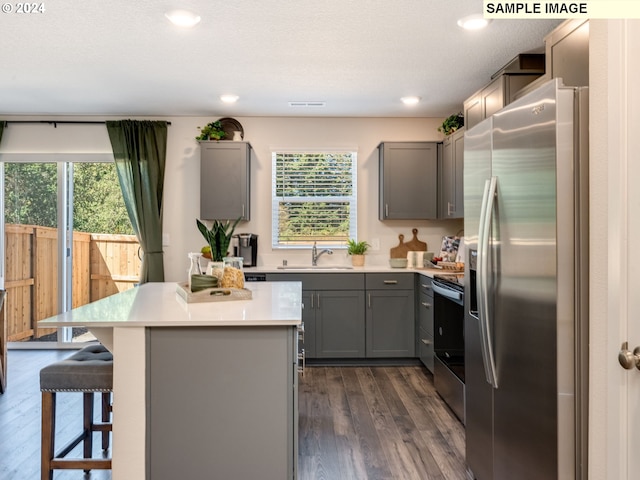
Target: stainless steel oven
(448,319)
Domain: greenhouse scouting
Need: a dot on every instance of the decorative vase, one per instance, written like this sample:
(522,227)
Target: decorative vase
(357,260)
(237,136)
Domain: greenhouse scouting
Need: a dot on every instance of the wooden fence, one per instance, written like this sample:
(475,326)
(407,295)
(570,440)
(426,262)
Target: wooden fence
(102,265)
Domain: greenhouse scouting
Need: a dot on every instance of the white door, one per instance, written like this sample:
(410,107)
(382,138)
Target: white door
(631,319)
(614,420)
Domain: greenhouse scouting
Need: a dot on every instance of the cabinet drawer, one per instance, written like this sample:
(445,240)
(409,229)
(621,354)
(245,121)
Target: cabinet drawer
(424,285)
(321,281)
(389,281)
(425,346)
(425,313)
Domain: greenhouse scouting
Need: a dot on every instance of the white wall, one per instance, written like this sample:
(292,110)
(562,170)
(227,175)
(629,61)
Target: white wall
(182,182)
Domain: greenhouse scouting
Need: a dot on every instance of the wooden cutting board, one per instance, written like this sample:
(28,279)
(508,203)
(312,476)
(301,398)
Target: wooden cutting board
(415,245)
(401,250)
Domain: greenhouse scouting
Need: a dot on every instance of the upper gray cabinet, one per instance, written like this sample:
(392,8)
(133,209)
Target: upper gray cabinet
(408,180)
(501,91)
(451,192)
(567,49)
(225,178)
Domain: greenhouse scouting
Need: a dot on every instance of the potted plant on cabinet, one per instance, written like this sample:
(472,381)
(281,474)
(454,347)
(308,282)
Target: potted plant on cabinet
(212,131)
(452,123)
(357,250)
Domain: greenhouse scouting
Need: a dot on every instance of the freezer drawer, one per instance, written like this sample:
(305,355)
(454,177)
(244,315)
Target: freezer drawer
(449,387)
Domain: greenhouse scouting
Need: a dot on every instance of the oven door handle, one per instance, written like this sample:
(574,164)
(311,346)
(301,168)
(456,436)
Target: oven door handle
(446,292)
(482,286)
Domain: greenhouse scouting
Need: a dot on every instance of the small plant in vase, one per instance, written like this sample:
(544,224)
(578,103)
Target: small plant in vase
(357,250)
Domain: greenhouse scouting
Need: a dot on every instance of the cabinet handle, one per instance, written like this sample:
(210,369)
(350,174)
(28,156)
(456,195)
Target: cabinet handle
(390,282)
(369,300)
(302,359)
(243,210)
(312,301)
(425,341)
(386,210)
(318,307)
(451,211)
(426,305)
(425,286)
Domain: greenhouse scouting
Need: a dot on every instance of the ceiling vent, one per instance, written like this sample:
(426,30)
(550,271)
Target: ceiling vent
(307,104)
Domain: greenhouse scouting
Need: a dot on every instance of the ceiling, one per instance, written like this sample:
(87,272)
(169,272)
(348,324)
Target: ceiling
(124,57)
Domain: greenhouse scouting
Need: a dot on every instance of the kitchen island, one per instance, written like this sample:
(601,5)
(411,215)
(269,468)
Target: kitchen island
(201,390)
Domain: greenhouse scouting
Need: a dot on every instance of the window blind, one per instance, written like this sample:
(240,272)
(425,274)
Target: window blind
(314,198)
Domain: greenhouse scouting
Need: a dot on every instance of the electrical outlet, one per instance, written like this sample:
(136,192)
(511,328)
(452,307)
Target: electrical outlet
(165,239)
(375,244)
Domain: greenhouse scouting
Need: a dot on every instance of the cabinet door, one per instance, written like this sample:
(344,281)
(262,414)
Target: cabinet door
(493,97)
(473,112)
(340,324)
(457,211)
(408,180)
(390,323)
(224,180)
(451,176)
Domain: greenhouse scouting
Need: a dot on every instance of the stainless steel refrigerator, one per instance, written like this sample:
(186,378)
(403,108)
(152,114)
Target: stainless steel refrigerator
(526,310)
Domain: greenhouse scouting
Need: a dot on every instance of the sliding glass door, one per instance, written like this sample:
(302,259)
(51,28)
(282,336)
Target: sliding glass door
(65,224)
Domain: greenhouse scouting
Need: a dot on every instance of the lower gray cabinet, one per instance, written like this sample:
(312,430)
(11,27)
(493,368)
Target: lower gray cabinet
(333,313)
(339,324)
(390,319)
(424,307)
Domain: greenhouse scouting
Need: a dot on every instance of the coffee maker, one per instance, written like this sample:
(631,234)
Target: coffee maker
(247,249)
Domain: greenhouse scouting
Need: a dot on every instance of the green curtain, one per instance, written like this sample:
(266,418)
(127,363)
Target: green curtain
(140,149)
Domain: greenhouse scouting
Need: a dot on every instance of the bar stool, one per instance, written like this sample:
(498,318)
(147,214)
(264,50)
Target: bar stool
(90,371)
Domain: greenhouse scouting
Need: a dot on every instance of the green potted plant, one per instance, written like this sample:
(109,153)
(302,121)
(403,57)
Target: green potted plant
(357,250)
(211,131)
(452,123)
(218,238)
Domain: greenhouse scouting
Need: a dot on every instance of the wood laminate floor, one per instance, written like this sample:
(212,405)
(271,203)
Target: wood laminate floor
(355,423)
(377,423)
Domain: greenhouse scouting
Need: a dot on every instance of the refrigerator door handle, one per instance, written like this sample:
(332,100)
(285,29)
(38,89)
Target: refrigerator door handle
(484,234)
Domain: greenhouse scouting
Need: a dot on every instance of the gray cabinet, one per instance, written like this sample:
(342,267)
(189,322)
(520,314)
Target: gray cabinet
(333,314)
(451,202)
(424,310)
(567,49)
(494,96)
(408,180)
(225,179)
(390,325)
(205,383)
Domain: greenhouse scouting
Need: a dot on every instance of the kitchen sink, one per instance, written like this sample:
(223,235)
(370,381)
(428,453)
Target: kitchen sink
(314,267)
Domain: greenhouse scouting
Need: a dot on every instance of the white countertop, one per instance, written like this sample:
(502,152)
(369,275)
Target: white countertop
(428,272)
(158,305)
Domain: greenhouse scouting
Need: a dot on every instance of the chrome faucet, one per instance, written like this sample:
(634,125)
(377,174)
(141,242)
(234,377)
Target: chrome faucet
(315,255)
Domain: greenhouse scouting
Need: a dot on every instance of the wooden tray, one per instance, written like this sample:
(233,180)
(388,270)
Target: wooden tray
(212,294)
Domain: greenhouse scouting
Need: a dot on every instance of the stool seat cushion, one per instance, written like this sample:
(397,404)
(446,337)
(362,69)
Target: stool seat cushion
(88,370)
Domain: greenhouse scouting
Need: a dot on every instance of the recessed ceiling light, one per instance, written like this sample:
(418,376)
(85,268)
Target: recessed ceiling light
(410,100)
(474,22)
(229,98)
(183,18)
